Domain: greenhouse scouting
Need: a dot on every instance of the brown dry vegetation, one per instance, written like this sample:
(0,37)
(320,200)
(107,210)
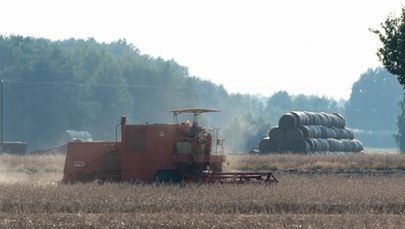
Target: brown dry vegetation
(35,168)
(297,201)
(351,162)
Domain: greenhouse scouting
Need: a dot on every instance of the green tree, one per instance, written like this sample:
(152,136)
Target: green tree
(281,100)
(369,111)
(315,103)
(367,107)
(392,55)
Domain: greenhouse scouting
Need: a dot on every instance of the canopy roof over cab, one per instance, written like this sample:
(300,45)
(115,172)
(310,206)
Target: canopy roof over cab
(194,111)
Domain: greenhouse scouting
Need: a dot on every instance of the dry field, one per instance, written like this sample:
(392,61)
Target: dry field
(333,163)
(31,196)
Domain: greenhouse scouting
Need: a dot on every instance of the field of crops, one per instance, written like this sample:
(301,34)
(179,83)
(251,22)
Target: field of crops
(32,196)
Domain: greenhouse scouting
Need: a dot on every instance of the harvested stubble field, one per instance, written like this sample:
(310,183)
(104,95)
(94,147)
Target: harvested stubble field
(32,196)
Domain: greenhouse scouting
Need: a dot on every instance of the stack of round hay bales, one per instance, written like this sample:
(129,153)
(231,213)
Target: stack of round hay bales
(310,132)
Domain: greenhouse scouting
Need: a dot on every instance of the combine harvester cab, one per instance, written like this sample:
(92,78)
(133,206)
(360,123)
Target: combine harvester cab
(173,153)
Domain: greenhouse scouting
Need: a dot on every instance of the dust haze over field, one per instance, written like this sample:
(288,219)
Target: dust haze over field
(37,168)
(236,140)
(7,174)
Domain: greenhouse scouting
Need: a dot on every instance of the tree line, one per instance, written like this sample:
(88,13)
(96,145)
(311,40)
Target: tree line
(53,86)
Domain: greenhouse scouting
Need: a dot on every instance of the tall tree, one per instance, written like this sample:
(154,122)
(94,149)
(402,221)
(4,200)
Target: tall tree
(392,55)
(368,107)
(373,107)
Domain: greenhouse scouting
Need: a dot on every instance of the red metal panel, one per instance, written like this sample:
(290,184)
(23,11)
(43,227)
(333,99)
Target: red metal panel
(159,145)
(84,158)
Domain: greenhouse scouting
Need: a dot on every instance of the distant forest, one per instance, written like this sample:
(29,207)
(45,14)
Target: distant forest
(53,86)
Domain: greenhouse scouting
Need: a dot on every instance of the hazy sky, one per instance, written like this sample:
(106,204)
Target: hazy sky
(316,47)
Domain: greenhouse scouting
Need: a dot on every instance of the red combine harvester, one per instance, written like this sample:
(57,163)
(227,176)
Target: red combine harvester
(178,152)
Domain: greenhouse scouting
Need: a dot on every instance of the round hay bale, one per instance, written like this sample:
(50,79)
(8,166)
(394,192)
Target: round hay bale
(312,117)
(302,118)
(346,145)
(277,134)
(357,145)
(311,131)
(339,134)
(336,145)
(327,119)
(323,119)
(323,131)
(294,134)
(347,133)
(341,122)
(283,146)
(332,132)
(301,146)
(287,121)
(311,144)
(317,145)
(266,145)
(317,119)
(335,121)
(324,144)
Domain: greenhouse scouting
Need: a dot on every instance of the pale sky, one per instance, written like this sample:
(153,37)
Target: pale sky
(313,47)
